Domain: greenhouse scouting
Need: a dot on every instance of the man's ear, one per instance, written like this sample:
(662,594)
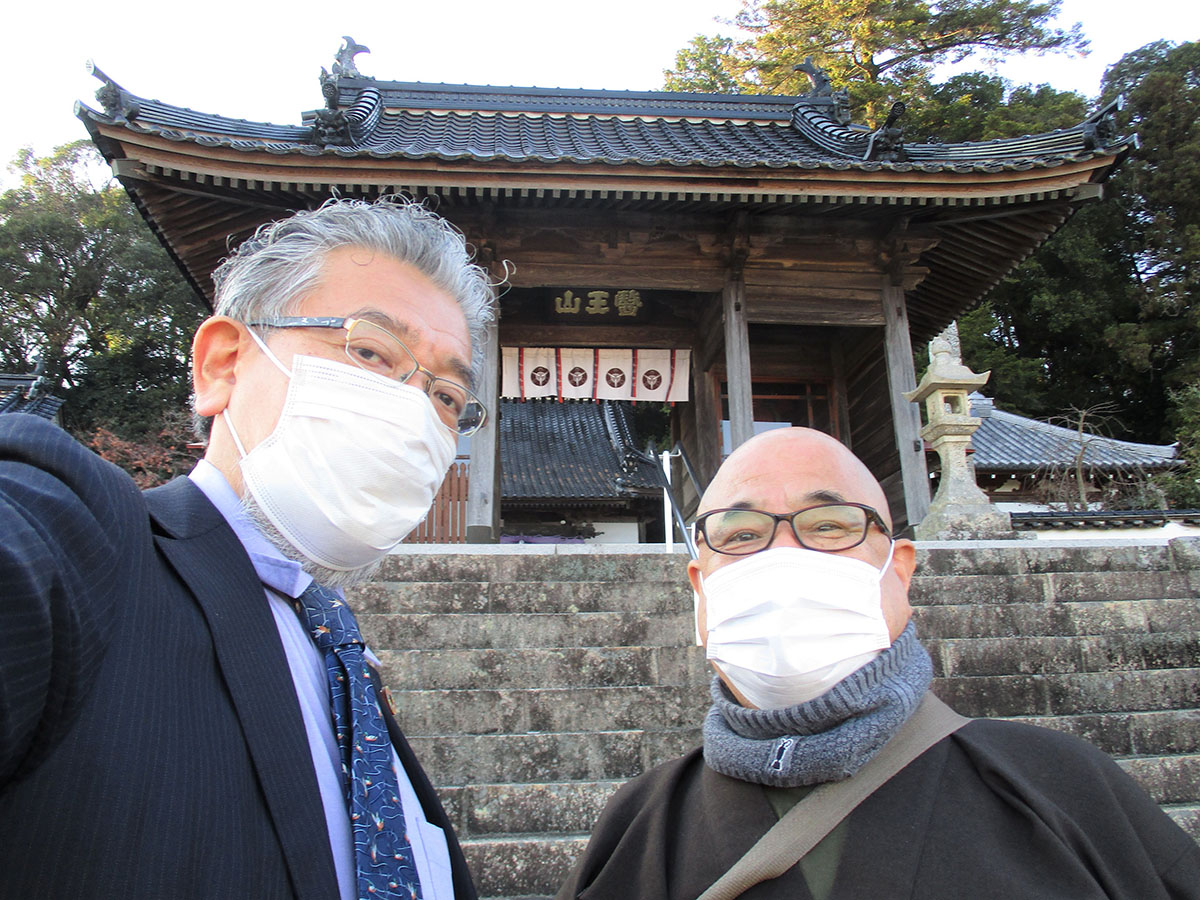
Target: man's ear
(214,361)
(904,561)
(701,607)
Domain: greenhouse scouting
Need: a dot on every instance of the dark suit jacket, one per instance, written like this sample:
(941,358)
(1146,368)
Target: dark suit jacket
(151,743)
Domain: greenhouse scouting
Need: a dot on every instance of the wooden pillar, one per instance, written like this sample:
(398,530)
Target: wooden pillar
(839,403)
(483,493)
(906,416)
(737,360)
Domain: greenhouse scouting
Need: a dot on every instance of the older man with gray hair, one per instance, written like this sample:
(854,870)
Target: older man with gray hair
(187,708)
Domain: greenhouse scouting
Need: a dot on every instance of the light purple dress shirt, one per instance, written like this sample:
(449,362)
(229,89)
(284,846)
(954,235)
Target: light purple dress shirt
(281,576)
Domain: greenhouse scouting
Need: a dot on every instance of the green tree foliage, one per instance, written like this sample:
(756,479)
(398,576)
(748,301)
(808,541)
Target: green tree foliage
(85,287)
(976,106)
(884,51)
(1106,311)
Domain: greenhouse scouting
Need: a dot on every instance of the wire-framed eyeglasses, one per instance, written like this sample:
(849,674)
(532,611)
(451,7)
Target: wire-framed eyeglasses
(377,350)
(827,527)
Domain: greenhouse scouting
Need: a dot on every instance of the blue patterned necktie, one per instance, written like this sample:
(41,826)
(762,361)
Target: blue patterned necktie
(382,854)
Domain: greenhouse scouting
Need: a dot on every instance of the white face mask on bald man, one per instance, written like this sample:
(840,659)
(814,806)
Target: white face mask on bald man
(353,464)
(787,624)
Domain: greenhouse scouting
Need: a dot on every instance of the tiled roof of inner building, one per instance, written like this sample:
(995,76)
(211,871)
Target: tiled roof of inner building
(575,450)
(466,122)
(14,398)
(1006,442)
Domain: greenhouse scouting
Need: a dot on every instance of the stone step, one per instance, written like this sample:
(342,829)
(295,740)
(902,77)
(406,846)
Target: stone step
(548,596)
(1060,587)
(548,710)
(463,631)
(542,667)
(1130,734)
(1168,779)
(952,620)
(1187,817)
(532,563)
(456,759)
(512,867)
(1033,557)
(570,807)
(1071,693)
(1061,654)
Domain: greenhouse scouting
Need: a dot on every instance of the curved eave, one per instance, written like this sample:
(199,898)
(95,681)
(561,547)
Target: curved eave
(250,138)
(212,157)
(210,192)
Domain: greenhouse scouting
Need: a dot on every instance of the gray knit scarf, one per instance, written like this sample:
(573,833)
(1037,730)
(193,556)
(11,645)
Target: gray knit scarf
(828,738)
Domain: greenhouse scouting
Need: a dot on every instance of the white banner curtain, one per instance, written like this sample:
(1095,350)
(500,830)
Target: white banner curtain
(577,370)
(614,374)
(539,372)
(571,373)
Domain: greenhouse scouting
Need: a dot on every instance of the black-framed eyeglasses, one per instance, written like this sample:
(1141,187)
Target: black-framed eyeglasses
(827,527)
(377,350)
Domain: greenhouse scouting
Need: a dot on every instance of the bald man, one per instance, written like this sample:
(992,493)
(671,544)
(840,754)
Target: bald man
(803,610)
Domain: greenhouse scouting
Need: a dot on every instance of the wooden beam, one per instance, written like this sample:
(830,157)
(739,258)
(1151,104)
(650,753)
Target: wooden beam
(483,492)
(906,416)
(638,336)
(815,311)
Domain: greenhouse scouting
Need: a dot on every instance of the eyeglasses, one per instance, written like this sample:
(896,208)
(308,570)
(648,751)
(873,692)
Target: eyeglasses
(827,527)
(377,350)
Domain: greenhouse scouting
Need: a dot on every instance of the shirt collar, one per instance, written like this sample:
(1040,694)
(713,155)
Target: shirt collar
(274,569)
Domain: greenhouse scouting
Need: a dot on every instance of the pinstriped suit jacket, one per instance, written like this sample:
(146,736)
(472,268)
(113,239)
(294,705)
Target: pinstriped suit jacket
(151,743)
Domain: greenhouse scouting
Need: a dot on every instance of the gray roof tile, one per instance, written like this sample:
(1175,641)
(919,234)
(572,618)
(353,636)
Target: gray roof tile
(576,450)
(460,122)
(1006,442)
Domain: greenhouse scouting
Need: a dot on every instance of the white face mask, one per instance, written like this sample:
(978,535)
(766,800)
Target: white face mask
(787,624)
(353,464)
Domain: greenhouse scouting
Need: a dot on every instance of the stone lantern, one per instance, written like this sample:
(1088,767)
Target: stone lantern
(960,510)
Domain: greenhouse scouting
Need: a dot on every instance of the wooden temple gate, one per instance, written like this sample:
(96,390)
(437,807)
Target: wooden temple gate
(796,256)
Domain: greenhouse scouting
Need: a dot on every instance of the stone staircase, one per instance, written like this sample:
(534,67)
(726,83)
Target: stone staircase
(532,682)
(1102,642)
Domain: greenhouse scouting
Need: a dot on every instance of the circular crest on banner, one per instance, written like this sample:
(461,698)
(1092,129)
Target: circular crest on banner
(651,379)
(577,376)
(614,377)
(540,376)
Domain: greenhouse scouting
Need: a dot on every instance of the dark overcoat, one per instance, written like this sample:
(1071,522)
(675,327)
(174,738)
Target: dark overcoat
(996,811)
(151,742)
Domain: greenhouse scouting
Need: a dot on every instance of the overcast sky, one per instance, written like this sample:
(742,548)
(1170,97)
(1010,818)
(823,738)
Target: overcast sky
(261,62)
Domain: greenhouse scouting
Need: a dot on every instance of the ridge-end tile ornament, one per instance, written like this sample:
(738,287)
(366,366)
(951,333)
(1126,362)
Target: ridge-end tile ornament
(331,126)
(823,87)
(343,63)
(960,510)
(887,142)
(118,103)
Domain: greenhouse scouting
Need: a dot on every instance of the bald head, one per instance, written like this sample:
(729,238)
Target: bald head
(804,466)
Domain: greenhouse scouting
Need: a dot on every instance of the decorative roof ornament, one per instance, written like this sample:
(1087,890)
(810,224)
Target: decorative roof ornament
(329,89)
(343,63)
(887,142)
(1100,128)
(823,87)
(331,126)
(118,103)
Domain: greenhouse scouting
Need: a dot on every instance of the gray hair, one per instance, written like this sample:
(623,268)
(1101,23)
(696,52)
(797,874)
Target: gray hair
(271,271)
(282,262)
